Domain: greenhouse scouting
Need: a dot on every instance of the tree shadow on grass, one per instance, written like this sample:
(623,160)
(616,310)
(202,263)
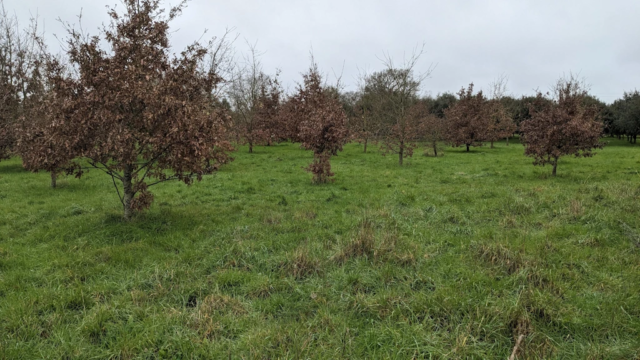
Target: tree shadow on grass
(11,167)
(147,225)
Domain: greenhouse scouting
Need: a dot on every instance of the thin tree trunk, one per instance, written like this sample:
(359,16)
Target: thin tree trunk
(555,167)
(128,191)
(467,147)
(507,141)
(401,154)
(54,180)
(435,149)
(492,144)
(365,145)
(250,147)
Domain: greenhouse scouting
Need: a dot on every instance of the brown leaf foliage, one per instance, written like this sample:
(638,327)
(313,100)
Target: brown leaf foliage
(469,120)
(20,77)
(431,128)
(501,125)
(39,147)
(361,125)
(564,126)
(255,97)
(320,121)
(131,108)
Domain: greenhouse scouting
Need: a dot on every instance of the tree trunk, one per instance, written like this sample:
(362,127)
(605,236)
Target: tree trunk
(435,149)
(555,167)
(401,154)
(365,145)
(250,148)
(492,145)
(54,180)
(467,147)
(507,141)
(128,191)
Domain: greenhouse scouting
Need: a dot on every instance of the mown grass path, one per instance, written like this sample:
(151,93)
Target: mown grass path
(453,257)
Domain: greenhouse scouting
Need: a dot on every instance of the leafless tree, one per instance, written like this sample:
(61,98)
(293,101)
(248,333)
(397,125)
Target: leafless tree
(392,93)
(431,128)
(501,125)
(255,98)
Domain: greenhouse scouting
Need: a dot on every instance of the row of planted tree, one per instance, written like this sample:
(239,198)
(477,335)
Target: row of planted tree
(124,104)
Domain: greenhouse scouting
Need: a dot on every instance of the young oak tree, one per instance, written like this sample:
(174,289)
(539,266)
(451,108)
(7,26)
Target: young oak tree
(350,101)
(501,125)
(364,122)
(393,92)
(255,98)
(270,100)
(432,129)
(288,123)
(20,77)
(40,108)
(468,121)
(363,125)
(9,98)
(36,143)
(565,126)
(321,122)
(135,111)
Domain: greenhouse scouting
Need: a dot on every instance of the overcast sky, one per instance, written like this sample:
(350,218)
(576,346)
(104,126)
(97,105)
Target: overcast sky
(532,42)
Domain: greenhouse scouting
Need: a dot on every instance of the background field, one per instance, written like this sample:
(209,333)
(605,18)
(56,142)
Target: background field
(448,257)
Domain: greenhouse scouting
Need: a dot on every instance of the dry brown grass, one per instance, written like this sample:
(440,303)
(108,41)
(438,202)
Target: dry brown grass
(301,265)
(362,245)
(502,257)
(382,246)
(575,208)
(305,215)
(273,219)
(206,317)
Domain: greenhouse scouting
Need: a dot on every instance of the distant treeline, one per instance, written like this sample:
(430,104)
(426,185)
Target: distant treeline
(620,119)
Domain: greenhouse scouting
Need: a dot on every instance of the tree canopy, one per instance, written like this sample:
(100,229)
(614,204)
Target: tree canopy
(132,109)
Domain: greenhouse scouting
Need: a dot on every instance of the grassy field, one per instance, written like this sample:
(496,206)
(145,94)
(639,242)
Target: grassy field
(449,257)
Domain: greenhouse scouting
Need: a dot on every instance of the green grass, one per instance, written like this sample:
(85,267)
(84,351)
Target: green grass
(448,257)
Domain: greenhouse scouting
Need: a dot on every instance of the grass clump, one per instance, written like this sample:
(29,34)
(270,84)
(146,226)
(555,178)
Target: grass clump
(301,265)
(361,245)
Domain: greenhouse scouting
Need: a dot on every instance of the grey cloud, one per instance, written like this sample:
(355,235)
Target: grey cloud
(531,42)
